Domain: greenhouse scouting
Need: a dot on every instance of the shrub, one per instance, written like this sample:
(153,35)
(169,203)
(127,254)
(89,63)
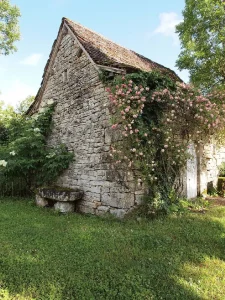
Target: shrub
(26,154)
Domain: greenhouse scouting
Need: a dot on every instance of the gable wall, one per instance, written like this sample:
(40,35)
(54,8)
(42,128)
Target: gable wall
(82,122)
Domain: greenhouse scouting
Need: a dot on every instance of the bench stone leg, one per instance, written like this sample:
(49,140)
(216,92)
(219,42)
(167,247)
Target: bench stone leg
(42,202)
(64,207)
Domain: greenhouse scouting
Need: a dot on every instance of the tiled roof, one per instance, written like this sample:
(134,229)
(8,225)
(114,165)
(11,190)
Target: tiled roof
(107,53)
(103,52)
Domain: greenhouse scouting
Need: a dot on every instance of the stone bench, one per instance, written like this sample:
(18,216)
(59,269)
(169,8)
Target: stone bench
(62,199)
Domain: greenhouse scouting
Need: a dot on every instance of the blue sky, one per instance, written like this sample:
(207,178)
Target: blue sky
(146,27)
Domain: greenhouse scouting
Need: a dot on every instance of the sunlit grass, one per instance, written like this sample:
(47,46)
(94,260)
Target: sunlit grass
(206,279)
(44,255)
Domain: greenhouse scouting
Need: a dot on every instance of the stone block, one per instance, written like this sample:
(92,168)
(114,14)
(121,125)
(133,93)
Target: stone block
(111,175)
(64,207)
(91,197)
(102,210)
(42,202)
(118,213)
(108,135)
(96,204)
(138,199)
(95,189)
(86,209)
(118,200)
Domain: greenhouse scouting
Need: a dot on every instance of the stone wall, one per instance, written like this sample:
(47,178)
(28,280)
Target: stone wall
(211,159)
(82,122)
(202,170)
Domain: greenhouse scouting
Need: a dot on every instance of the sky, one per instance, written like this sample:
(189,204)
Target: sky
(145,26)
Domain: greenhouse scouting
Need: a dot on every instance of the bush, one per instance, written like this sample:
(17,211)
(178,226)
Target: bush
(27,156)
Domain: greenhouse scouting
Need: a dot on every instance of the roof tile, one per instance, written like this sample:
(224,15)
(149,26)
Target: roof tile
(107,53)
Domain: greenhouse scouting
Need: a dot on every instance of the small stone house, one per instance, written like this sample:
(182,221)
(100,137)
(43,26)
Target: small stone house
(82,117)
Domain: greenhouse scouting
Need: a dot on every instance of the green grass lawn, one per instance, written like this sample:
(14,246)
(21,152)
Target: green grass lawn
(44,255)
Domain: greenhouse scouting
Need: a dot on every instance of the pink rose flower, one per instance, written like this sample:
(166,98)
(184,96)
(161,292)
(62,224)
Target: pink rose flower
(114,126)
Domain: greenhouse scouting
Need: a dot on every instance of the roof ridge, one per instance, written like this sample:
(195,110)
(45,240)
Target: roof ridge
(99,34)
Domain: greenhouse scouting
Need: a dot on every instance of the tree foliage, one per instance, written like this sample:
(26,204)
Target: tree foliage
(24,152)
(202,36)
(25,104)
(9,29)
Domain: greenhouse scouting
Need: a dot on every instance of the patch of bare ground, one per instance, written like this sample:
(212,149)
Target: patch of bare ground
(216,200)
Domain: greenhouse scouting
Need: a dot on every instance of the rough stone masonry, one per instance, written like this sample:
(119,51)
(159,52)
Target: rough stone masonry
(82,122)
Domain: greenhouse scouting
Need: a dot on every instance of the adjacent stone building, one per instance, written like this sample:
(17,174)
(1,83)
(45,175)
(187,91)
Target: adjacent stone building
(82,118)
(201,176)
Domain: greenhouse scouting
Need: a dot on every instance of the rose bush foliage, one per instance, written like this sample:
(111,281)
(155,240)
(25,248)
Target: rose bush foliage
(157,121)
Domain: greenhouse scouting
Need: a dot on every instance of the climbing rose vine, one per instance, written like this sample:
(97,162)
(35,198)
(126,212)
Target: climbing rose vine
(155,128)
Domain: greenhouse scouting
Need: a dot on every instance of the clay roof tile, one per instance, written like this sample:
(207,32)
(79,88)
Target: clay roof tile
(107,53)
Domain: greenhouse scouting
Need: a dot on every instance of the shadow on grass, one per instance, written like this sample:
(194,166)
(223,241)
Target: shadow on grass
(46,256)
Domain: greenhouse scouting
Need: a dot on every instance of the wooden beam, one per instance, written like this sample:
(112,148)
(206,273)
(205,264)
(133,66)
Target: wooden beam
(82,47)
(112,69)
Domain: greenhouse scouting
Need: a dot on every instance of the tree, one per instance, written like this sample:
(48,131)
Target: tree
(25,104)
(9,30)
(202,36)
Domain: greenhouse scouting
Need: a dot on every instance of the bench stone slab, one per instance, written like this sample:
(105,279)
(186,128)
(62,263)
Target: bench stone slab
(60,195)
(62,199)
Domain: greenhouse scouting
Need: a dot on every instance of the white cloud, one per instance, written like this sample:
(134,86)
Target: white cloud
(32,60)
(168,22)
(17,92)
